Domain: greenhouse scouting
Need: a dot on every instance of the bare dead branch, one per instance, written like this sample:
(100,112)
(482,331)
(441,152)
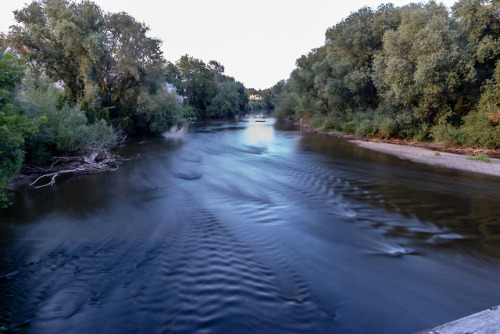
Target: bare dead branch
(98,160)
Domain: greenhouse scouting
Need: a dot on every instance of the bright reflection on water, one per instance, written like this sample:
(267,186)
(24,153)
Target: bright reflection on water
(258,133)
(250,227)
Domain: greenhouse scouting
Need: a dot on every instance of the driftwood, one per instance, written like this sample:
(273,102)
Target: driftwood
(90,162)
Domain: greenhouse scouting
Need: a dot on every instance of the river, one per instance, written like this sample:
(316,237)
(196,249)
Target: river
(250,227)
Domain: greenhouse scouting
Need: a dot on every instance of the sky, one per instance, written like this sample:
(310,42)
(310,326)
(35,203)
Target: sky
(257,41)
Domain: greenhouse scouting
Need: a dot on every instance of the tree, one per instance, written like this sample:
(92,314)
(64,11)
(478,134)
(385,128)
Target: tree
(218,70)
(416,69)
(307,80)
(478,27)
(158,111)
(63,128)
(105,60)
(194,80)
(351,46)
(14,124)
(230,100)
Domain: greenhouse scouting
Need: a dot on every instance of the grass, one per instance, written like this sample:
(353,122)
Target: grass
(480,157)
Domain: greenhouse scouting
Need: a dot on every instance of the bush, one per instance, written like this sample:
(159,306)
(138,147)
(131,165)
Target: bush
(159,111)
(318,122)
(447,134)
(61,127)
(287,105)
(364,128)
(385,126)
(14,124)
(478,131)
(348,127)
(188,111)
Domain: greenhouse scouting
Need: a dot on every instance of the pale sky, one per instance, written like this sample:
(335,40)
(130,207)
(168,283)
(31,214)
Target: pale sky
(257,41)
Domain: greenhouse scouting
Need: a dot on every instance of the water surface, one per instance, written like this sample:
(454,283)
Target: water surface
(250,227)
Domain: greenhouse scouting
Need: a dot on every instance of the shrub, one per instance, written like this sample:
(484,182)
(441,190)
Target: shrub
(364,128)
(61,128)
(385,126)
(478,131)
(480,157)
(318,122)
(447,134)
(160,111)
(287,105)
(348,127)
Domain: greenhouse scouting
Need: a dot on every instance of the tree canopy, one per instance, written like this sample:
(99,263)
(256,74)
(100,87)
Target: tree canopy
(415,71)
(104,60)
(14,124)
(89,78)
(206,88)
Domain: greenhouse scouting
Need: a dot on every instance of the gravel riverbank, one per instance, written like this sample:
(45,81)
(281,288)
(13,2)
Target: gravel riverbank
(430,157)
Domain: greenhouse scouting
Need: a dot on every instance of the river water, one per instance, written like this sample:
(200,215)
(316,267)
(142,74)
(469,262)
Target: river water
(250,227)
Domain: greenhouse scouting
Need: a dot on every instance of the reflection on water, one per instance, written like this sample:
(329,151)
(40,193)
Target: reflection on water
(251,227)
(259,133)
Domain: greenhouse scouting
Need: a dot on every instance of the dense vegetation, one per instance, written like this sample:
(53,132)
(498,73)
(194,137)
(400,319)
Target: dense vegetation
(76,79)
(416,71)
(207,91)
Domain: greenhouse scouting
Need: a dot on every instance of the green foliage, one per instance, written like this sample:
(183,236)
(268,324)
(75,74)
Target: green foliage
(385,126)
(256,106)
(288,105)
(188,111)
(194,80)
(489,102)
(478,131)
(270,95)
(413,72)
(447,134)
(62,128)
(226,102)
(104,60)
(205,88)
(159,111)
(480,157)
(318,122)
(365,128)
(14,124)
(415,67)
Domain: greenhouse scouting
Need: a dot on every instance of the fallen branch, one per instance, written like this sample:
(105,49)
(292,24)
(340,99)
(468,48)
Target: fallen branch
(53,178)
(96,161)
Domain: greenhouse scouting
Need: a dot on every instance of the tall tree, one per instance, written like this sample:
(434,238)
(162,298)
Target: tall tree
(14,124)
(416,69)
(231,98)
(195,81)
(478,26)
(105,60)
(352,45)
(307,80)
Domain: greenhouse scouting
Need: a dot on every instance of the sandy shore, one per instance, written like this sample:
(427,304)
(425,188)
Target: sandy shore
(430,157)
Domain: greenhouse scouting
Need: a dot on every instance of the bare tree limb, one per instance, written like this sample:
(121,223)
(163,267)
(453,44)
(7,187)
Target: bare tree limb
(99,160)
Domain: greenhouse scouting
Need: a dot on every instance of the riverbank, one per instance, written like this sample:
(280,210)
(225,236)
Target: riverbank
(436,158)
(460,158)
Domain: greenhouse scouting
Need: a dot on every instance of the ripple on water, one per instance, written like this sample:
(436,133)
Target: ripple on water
(194,277)
(222,286)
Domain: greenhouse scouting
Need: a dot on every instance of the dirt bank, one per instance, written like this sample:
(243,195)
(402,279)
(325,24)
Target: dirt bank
(454,157)
(434,157)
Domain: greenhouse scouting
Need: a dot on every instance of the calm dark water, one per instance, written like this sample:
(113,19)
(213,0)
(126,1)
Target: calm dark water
(249,227)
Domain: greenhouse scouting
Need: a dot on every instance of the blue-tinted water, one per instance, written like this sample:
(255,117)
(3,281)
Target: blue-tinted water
(249,227)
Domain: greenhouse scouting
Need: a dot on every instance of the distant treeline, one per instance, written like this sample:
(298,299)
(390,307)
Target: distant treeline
(74,78)
(417,71)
